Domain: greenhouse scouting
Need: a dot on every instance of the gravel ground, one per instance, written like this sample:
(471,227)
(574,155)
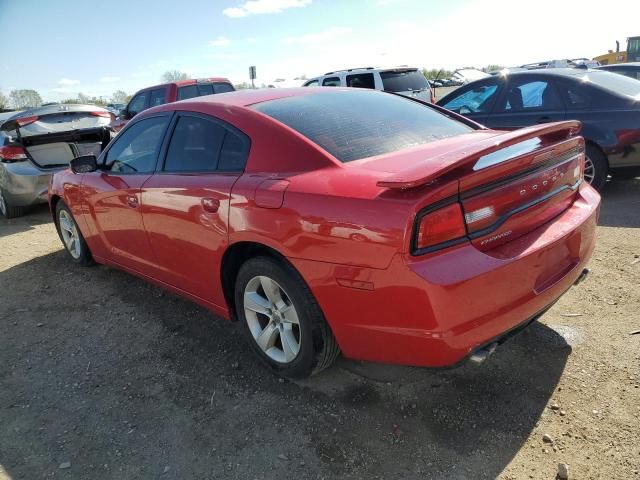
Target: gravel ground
(103,376)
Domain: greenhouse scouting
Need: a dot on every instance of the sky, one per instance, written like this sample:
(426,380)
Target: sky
(62,47)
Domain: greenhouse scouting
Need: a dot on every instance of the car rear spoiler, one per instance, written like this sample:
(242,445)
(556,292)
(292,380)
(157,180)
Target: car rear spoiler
(437,166)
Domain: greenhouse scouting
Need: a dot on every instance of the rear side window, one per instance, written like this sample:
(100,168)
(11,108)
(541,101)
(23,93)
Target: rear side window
(202,145)
(312,83)
(403,81)
(355,124)
(331,82)
(223,88)
(158,97)
(136,149)
(361,80)
(529,95)
(188,91)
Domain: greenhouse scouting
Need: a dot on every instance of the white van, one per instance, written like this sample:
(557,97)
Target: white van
(406,81)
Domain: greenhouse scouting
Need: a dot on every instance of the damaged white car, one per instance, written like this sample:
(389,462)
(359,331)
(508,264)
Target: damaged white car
(36,143)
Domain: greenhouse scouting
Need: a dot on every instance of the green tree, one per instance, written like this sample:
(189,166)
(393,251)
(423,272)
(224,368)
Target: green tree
(436,73)
(82,98)
(119,96)
(173,76)
(4,101)
(242,86)
(492,68)
(25,98)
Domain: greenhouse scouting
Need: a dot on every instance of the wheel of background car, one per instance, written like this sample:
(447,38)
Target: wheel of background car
(7,210)
(71,236)
(595,167)
(282,320)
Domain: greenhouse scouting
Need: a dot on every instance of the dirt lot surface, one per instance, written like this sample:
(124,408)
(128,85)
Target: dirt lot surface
(103,376)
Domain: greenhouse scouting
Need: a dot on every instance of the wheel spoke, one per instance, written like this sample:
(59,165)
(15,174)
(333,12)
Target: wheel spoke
(268,336)
(256,303)
(289,344)
(271,290)
(65,223)
(289,315)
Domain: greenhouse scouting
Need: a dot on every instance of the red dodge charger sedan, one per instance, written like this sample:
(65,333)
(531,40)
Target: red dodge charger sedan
(339,220)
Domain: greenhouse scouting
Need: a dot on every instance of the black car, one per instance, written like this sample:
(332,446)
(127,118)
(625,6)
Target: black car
(607,104)
(628,69)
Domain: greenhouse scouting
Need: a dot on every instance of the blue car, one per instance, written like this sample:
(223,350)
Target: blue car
(607,104)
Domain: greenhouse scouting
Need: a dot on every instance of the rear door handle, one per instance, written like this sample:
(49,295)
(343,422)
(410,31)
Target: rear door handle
(132,201)
(210,205)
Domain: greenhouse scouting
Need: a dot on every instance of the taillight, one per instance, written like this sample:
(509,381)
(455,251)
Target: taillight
(26,120)
(105,113)
(10,154)
(440,228)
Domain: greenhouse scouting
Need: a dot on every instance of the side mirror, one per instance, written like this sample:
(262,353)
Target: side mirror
(84,164)
(124,114)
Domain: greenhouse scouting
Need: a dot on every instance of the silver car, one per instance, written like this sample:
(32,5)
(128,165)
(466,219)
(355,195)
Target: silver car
(36,143)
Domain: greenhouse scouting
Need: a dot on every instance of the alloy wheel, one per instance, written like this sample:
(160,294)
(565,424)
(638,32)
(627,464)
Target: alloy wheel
(272,319)
(589,170)
(3,204)
(69,233)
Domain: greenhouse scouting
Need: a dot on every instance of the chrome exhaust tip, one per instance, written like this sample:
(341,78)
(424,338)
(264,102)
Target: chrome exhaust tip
(582,276)
(479,356)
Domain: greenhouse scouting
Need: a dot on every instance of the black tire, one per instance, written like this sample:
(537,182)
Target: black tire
(83,255)
(600,166)
(318,348)
(9,211)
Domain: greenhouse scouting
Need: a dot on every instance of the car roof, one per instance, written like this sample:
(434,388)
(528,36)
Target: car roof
(401,68)
(245,98)
(190,81)
(620,65)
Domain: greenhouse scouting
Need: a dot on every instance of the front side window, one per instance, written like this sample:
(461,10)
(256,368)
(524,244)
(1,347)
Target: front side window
(158,97)
(202,145)
(138,103)
(354,124)
(136,149)
(530,95)
(474,100)
(361,80)
(311,83)
(331,82)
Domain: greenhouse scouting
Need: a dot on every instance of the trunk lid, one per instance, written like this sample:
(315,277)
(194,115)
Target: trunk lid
(508,183)
(55,134)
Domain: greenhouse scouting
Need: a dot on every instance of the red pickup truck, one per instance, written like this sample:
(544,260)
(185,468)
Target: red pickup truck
(168,93)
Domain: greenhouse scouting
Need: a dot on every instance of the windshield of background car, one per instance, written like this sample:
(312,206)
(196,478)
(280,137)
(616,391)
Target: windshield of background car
(474,100)
(403,81)
(614,82)
(354,124)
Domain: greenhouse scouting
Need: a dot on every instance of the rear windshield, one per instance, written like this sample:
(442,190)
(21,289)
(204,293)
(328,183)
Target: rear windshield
(614,82)
(403,81)
(353,124)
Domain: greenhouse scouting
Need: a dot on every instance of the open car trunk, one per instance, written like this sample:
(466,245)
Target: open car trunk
(53,135)
(54,150)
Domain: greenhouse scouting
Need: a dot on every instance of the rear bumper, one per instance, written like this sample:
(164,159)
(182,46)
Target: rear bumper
(436,309)
(24,184)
